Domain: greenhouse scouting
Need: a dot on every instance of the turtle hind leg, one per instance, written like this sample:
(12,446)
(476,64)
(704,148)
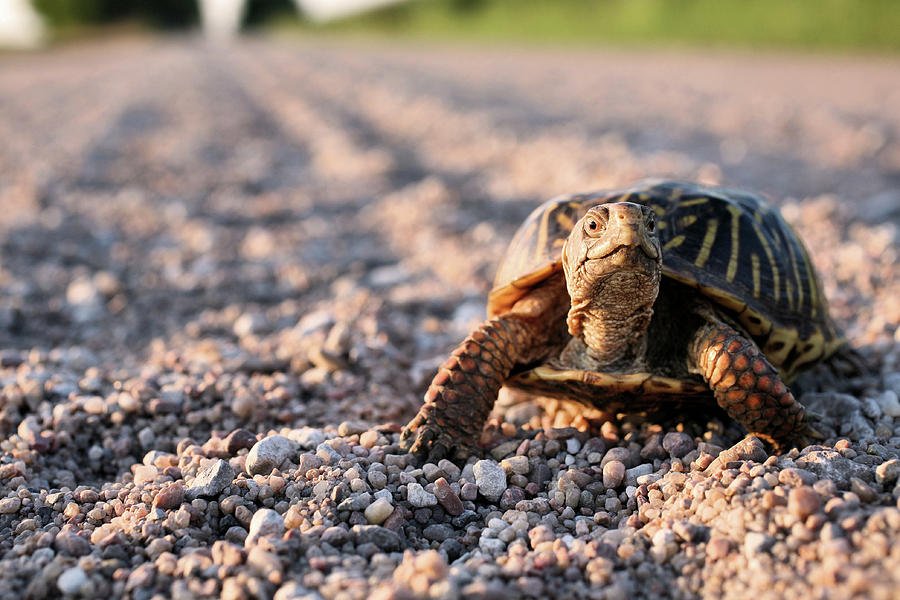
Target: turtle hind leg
(463,392)
(747,387)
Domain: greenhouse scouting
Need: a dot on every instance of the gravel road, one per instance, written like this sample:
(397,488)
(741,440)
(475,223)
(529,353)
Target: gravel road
(228,274)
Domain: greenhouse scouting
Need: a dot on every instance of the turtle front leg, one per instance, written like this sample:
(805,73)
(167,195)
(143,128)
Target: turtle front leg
(747,387)
(463,392)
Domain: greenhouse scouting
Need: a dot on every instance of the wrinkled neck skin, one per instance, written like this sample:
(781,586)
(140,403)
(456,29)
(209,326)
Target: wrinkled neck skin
(608,321)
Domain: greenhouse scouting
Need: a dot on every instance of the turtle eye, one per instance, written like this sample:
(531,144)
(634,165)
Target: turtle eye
(593,226)
(651,224)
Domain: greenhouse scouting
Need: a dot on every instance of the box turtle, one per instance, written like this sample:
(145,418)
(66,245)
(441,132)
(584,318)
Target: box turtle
(666,293)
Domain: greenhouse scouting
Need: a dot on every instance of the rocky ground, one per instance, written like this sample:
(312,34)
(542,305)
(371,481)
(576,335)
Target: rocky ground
(226,278)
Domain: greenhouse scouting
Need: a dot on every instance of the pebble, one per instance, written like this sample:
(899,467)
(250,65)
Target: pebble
(677,444)
(270,453)
(383,538)
(516,464)
(211,480)
(718,547)
(633,473)
(863,490)
(10,506)
(418,497)
(336,536)
(490,479)
(803,501)
(756,543)
(887,472)
(378,511)
(71,581)
(447,497)
(170,496)
(623,455)
(265,522)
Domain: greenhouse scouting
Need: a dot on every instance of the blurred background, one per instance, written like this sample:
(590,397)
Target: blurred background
(871,25)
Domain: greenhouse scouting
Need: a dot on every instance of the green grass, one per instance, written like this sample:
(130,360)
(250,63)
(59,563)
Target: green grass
(867,25)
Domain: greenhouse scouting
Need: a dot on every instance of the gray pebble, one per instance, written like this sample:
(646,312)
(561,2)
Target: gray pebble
(383,538)
(418,497)
(677,444)
(490,479)
(211,480)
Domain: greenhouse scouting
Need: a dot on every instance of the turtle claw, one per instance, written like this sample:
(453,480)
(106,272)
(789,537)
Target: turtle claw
(429,442)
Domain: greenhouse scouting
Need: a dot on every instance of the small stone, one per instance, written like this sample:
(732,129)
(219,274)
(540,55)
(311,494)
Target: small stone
(171,496)
(447,497)
(378,511)
(633,473)
(677,444)
(418,497)
(348,428)
(336,536)
(356,502)
(238,440)
(516,464)
(144,474)
(803,501)
(490,479)
(750,448)
(623,455)
(270,453)
(211,480)
(887,472)
(889,403)
(756,543)
(863,490)
(540,475)
(68,541)
(308,437)
(451,470)
(796,477)
(613,474)
(265,522)
(381,537)
(378,479)
(468,491)
(511,496)
(432,472)
(718,547)
(9,506)
(72,580)
(437,532)
(265,563)
(308,461)
(227,554)
(491,546)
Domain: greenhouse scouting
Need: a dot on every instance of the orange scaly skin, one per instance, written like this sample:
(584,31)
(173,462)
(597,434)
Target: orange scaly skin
(463,392)
(747,387)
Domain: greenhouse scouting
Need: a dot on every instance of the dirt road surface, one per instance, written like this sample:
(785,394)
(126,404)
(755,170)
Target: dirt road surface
(227,275)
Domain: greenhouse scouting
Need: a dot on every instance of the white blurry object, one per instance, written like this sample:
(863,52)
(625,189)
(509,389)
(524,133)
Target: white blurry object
(329,10)
(20,25)
(221,19)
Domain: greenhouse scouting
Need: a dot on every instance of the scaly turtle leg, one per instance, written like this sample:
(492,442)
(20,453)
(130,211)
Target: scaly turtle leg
(747,387)
(463,392)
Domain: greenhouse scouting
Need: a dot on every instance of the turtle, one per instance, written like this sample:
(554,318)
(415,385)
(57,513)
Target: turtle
(665,293)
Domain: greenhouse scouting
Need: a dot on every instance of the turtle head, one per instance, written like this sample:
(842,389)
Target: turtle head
(612,262)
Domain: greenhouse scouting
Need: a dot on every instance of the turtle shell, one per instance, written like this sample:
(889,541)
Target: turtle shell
(730,245)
